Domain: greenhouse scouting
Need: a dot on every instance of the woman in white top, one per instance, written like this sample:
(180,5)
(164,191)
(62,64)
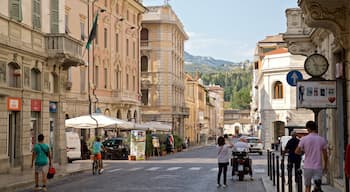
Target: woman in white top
(223,158)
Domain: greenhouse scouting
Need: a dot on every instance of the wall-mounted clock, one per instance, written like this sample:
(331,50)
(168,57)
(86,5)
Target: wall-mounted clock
(316,65)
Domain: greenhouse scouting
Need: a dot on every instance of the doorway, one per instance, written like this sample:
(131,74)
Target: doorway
(13,138)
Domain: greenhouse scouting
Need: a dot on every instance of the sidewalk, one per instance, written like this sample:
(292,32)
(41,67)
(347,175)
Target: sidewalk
(16,181)
(268,185)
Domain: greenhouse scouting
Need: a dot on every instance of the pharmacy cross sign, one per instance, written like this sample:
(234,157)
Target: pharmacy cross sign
(294,76)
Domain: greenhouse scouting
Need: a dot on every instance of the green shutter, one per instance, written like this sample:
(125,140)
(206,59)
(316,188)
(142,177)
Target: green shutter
(37,14)
(16,10)
(54,16)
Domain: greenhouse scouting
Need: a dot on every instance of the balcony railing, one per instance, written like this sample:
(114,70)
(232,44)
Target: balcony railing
(64,48)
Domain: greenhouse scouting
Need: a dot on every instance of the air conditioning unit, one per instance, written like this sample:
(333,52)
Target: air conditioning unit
(68,85)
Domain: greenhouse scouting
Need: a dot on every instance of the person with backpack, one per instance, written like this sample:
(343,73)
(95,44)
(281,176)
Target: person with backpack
(42,157)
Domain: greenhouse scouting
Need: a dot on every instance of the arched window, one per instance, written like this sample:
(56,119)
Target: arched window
(278,90)
(128,116)
(135,115)
(144,37)
(144,64)
(119,115)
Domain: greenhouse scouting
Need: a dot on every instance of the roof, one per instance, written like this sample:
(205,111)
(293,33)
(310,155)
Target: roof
(272,39)
(277,51)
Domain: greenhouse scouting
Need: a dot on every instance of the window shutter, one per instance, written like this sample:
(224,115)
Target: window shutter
(37,14)
(54,16)
(16,10)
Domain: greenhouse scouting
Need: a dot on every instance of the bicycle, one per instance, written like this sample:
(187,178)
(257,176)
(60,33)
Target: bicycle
(94,165)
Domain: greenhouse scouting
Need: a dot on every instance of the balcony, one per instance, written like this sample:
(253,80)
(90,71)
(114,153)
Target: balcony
(67,50)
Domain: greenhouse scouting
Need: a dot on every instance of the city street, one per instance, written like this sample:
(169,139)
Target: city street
(193,170)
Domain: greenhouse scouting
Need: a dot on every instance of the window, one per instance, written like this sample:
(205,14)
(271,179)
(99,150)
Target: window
(35,79)
(96,76)
(54,16)
(133,50)
(14,75)
(278,90)
(105,37)
(144,97)
(105,78)
(144,37)
(117,79)
(127,81)
(133,83)
(117,42)
(16,10)
(144,64)
(127,47)
(36,14)
(82,31)
(82,80)
(66,19)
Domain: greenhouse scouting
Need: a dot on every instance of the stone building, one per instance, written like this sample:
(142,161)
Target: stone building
(322,26)
(36,52)
(217,94)
(162,68)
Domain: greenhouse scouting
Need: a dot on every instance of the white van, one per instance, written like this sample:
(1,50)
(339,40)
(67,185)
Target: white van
(73,146)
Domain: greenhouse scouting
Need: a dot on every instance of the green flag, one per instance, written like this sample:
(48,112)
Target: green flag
(93,32)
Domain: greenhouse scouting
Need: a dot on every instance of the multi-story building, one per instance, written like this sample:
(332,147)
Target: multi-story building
(110,81)
(162,68)
(322,27)
(36,52)
(217,93)
(237,122)
(277,99)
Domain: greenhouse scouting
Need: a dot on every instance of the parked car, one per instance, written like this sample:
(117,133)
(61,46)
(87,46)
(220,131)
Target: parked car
(115,148)
(255,145)
(73,147)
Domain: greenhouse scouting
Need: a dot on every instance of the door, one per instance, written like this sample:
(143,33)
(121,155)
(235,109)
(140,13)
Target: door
(13,139)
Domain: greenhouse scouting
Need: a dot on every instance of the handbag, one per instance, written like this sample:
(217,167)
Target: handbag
(51,173)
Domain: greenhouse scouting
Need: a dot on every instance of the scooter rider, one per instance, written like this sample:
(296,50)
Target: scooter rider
(242,146)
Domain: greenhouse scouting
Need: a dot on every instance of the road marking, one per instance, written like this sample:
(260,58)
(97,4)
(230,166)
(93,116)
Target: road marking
(135,169)
(259,170)
(153,168)
(214,169)
(114,170)
(194,168)
(173,168)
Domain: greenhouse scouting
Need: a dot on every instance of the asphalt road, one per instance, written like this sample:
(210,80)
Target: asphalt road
(188,171)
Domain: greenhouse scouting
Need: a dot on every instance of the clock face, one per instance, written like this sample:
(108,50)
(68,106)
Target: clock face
(316,65)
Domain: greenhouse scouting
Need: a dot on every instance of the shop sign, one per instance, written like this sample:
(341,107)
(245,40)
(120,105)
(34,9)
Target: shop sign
(35,105)
(53,107)
(13,104)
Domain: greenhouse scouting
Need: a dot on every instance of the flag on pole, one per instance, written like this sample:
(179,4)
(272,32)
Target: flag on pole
(93,32)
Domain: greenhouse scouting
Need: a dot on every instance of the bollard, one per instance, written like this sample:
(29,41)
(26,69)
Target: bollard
(273,169)
(300,180)
(290,177)
(268,163)
(278,173)
(282,174)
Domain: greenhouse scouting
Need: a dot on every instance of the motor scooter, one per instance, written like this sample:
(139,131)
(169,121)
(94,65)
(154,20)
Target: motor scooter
(241,164)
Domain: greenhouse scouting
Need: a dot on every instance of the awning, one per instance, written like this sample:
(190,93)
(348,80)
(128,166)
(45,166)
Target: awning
(92,121)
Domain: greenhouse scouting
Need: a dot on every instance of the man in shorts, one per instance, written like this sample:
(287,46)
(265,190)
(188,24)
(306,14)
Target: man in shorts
(313,146)
(97,148)
(42,156)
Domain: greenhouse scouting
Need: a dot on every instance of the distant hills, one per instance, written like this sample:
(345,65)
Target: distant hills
(205,64)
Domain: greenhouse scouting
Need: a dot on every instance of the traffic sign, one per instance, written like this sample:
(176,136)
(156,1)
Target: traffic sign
(294,76)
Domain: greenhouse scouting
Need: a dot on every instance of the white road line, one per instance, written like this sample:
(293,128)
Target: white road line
(173,168)
(214,169)
(153,168)
(114,170)
(259,170)
(194,168)
(135,169)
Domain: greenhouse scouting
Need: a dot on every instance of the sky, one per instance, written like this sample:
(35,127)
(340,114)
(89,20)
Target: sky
(228,29)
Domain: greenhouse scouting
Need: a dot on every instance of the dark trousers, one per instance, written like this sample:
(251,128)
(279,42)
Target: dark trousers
(223,170)
(296,165)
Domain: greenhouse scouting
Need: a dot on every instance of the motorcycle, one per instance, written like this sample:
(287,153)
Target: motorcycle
(241,164)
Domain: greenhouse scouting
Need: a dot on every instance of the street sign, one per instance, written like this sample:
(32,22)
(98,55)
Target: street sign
(294,76)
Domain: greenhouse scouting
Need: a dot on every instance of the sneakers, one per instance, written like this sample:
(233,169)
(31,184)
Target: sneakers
(37,188)
(101,170)
(218,185)
(224,186)
(44,189)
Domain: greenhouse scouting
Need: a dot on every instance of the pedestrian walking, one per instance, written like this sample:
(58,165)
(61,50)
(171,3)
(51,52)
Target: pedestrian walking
(314,147)
(42,157)
(294,159)
(223,159)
